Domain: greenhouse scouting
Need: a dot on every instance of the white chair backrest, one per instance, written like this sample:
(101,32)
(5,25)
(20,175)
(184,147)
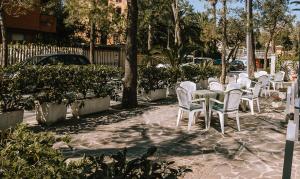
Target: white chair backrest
(256,74)
(189,86)
(244,82)
(216,86)
(232,100)
(256,90)
(231,79)
(264,80)
(243,75)
(210,79)
(279,76)
(232,86)
(183,98)
(263,73)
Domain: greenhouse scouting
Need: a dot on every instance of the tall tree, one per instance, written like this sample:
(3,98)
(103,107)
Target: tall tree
(176,15)
(93,16)
(224,39)
(274,17)
(130,79)
(12,8)
(250,39)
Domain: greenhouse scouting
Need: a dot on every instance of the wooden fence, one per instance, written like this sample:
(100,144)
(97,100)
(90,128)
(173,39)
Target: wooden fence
(104,55)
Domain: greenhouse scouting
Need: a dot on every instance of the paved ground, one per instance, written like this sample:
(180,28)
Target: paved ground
(255,152)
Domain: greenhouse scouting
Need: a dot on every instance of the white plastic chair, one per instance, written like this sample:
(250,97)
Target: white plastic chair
(232,86)
(265,84)
(278,79)
(244,82)
(243,75)
(252,96)
(230,105)
(211,79)
(189,86)
(231,79)
(216,86)
(187,105)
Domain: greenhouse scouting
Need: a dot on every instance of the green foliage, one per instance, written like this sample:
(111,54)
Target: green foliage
(55,84)
(197,72)
(174,74)
(24,154)
(287,63)
(152,78)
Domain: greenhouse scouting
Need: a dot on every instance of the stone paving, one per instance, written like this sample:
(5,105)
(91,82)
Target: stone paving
(256,151)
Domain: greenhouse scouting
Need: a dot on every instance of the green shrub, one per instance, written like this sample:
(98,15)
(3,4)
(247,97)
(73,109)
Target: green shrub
(152,78)
(24,154)
(55,84)
(197,72)
(174,74)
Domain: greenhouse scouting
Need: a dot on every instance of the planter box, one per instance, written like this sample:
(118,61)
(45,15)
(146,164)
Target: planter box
(154,95)
(203,84)
(90,106)
(49,113)
(11,119)
(171,91)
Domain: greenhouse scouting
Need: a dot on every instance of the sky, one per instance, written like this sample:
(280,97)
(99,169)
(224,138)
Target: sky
(201,5)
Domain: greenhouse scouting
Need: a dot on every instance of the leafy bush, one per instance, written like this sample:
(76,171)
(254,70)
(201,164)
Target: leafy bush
(152,78)
(173,74)
(10,95)
(197,72)
(24,154)
(57,83)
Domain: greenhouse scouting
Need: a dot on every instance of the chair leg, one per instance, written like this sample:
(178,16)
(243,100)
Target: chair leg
(205,116)
(179,116)
(251,107)
(209,116)
(238,121)
(191,118)
(258,107)
(221,116)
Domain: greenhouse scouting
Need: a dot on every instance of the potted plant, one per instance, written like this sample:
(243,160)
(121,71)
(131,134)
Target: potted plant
(173,74)
(52,93)
(93,87)
(153,82)
(11,110)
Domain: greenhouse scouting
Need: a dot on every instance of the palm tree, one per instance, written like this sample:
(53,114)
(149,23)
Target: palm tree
(130,79)
(224,40)
(297,3)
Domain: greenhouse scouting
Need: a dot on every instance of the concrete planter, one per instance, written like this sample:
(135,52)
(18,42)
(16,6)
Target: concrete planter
(154,95)
(11,119)
(49,113)
(171,91)
(203,84)
(90,106)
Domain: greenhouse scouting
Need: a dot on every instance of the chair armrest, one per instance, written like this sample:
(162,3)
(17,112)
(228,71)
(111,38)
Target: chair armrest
(216,101)
(199,99)
(248,91)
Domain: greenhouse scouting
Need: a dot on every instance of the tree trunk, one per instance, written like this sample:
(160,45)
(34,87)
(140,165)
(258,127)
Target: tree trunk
(266,54)
(214,13)
(4,41)
(92,43)
(130,79)
(250,40)
(149,44)
(175,9)
(224,41)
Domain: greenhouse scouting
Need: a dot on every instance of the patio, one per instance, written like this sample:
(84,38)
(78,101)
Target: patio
(255,152)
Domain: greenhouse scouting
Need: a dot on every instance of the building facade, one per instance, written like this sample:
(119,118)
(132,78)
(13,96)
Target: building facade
(27,27)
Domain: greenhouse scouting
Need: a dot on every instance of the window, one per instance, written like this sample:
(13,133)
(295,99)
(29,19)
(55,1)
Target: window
(17,37)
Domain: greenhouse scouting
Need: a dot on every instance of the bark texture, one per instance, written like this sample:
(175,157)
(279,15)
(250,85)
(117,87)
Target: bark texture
(130,79)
